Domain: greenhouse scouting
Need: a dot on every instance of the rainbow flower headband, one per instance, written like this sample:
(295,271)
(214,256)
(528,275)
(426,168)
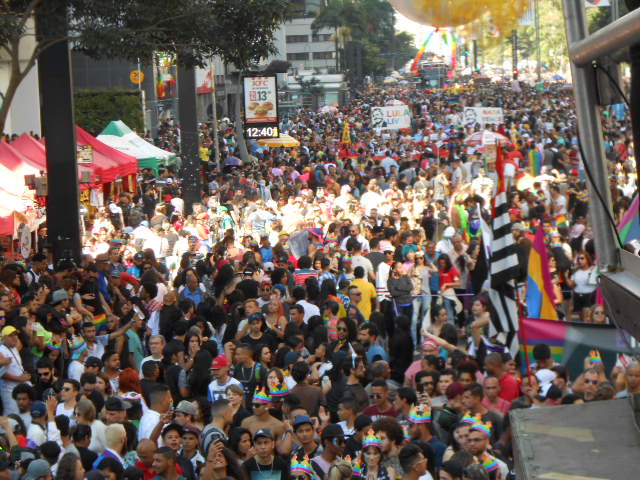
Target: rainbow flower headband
(482,427)
(371,440)
(303,466)
(489,463)
(277,391)
(405,431)
(421,414)
(470,420)
(594,357)
(261,396)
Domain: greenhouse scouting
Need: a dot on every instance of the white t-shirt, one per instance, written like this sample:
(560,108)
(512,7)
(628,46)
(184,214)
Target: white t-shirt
(217,391)
(61,410)
(76,369)
(147,423)
(14,368)
(309,309)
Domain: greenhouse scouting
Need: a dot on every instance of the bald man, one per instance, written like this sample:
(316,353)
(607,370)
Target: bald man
(146,449)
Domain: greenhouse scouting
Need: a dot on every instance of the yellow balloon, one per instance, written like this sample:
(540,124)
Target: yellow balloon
(452,13)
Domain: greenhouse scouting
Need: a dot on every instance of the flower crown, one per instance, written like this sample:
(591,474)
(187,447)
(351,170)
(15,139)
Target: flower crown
(261,396)
(77,346)
(482,427)
(420,414)
(303,466)
(371,440)
(489,463)
(594,357)
(468,419)
(278,390)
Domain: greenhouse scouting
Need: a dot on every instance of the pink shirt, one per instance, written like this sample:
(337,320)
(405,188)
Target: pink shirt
(502,406)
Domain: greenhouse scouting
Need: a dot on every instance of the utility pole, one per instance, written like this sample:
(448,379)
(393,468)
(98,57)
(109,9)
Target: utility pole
(536,13)
(514,53)
(188,135)
(214,112)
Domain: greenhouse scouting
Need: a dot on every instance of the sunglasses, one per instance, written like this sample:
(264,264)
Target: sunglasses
(341,329)
(257,405)
(594,382)
(44,374)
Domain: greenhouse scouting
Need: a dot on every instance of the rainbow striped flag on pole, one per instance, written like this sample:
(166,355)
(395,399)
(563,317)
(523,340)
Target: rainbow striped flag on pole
(535,162)
(539,288)
(629,227)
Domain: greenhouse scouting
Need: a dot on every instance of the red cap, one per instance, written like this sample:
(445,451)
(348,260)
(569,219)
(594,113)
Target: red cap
(219,362)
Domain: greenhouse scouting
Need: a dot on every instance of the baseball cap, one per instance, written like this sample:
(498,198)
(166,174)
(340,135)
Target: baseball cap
(333,430)
(186,407)
(37,469)
(38,409)
(191,429)
(291,357)
(139,256)
(264,433)
(116,404)
(219,362)
(8,330)
(301,420)
(58,296)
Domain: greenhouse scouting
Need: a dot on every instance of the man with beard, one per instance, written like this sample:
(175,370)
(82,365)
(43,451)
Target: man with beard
(46,378)
(355,369)
(478,445)
(368,336)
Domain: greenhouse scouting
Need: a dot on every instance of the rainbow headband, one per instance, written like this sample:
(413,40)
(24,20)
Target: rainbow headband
(420,414)
(261,396)
(483,428)
(277,391)
(489,463)
(371,440)
(594,357)
(405,431)
(303,466)
(470,420)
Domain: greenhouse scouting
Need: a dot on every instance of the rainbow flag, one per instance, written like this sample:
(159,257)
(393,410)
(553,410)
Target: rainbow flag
(415,66)
(571,342)
(561,221)
(539,288)
(629,227)
(535,162)
(100,321)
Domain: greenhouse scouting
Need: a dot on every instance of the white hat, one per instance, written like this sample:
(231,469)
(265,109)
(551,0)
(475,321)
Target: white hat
(449,232)
(545,379)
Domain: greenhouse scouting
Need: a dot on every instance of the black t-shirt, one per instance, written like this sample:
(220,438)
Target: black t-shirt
(267,338)
(277,470)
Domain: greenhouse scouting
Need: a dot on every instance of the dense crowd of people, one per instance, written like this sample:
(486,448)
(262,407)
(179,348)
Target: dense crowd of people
(321,313)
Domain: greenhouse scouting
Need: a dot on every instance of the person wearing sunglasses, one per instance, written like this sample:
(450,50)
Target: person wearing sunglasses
(333,443)
(591,380)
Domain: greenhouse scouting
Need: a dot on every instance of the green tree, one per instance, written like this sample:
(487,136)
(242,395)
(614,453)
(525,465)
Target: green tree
(240,31)
(94,108)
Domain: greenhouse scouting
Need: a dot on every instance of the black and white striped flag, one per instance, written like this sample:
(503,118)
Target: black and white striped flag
(503,271)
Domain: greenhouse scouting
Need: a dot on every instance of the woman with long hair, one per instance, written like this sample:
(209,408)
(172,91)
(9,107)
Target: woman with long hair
(372,459)
(70,467)
(449,281)
(221,463)
(240,441)
(195,382)
(583,283)
(275,318)
(129,381)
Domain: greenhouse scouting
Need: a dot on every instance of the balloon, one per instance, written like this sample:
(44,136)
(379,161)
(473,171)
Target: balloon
(504,15)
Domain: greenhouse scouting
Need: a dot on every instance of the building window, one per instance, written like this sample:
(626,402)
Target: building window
(297,38)
(298,56)
(322,55)
(321,37)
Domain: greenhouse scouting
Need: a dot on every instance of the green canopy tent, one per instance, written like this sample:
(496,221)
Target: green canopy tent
(122,138)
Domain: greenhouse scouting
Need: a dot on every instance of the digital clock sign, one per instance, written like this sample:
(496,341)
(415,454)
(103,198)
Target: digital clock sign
(261,106)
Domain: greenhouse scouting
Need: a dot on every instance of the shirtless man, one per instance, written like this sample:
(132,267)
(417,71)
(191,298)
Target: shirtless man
(261,417)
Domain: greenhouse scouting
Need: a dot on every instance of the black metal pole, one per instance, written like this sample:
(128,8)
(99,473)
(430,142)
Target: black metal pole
(58,128)
(188,136)
(475,55)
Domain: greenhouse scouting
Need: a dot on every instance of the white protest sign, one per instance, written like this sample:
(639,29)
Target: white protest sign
(391,117)
(483,116)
